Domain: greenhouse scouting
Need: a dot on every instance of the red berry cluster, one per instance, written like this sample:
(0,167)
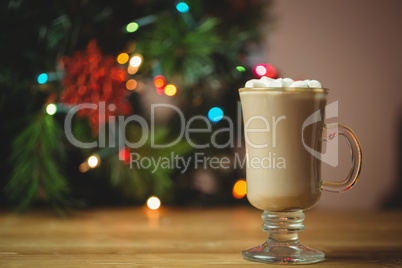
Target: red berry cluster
(91,77)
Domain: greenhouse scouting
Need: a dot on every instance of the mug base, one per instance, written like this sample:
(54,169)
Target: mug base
(283,253)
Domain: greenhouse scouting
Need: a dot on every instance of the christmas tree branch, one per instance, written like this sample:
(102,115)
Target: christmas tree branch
(36,175)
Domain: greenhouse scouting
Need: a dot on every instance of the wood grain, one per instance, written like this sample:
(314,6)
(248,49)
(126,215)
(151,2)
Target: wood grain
(177,237)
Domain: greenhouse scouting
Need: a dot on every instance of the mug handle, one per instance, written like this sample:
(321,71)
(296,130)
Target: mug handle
(356,153)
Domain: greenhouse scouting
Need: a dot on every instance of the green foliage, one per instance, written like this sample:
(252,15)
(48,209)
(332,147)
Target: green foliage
(36,174)
(138,183)
(185,53)
(193,50)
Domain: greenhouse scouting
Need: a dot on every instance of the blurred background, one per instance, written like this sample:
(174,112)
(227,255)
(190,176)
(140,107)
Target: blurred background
(194,55)
(354,49)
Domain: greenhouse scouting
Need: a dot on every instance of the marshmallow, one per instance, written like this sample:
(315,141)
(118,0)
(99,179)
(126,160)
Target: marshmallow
(286,82)
(265,82)
(255,83)
(274,83)
(269,82)
(314,84)
(266,79)
(299,84)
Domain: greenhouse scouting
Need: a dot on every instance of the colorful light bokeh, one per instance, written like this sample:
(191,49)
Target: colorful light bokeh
(182,7)
(160,91)
(131,69)
(132,27)
(240,68)
(215,114)
(159,81)
(260,70)
(131,84)
(136,61)
(239,189)
(265,70)
(93,161)
(153,203)
(123,58)
(271,71)
(170,90)
(42,78)
(51,109)
(124,155)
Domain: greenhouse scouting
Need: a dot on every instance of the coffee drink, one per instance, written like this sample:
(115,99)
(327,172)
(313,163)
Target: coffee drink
(281,174)
(283,127)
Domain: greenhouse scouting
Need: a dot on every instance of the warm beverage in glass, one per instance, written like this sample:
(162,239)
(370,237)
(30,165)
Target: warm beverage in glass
(284,129)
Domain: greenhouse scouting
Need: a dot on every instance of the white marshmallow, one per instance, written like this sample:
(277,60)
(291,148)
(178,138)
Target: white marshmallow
(286,82)
(255,83)
(274,83)
(266,79)
(314,84)
(265,82)
(299,84)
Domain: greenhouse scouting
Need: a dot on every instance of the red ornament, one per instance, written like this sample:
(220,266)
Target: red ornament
(91,77)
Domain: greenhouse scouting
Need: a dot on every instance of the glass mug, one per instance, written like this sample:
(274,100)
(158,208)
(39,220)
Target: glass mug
(284,130)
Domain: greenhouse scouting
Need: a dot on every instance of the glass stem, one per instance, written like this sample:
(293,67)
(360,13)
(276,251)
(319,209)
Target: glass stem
(283,227)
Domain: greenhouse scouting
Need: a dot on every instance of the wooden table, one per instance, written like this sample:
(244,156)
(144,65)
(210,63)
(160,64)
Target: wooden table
(178,237)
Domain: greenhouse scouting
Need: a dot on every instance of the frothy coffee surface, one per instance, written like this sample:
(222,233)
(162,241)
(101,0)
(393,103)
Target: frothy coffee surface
(281,174)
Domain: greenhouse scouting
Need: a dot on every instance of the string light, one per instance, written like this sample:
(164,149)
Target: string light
(182,7)
(131,69)
(124,155)
(159,81)
(131,84)
(93,161)
(215,114)
(240,68)
(132,27)
(160,91)
(265,70)
(122,58)
(239,189)
(42,78)
(170,90)
(51,109)
(136,61)
(153,203)
(260,70)
(271,71)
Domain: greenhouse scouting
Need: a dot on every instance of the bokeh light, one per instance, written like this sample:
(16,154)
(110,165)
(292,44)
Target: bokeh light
(240,68)
(153,203)
(271,71)
(215,114)
(170,90)
(124,155)
(131,84)
(160,91)
(132,27)
(42,78)
(239,189)
(136,61)
(182,7)
(265,70)
(93,161)
(131,69)
(260,70)
(159,81)
(51,109)
(123,58)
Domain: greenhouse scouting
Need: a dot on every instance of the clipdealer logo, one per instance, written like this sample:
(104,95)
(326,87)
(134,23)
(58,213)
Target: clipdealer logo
(113,136)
